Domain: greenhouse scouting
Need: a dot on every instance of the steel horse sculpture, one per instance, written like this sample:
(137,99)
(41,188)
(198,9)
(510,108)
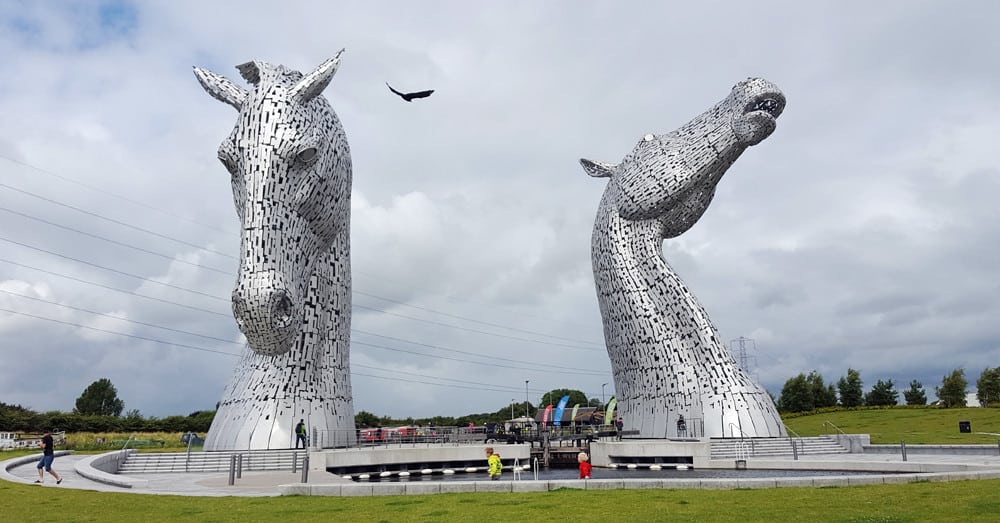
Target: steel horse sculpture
(666,355)
(291,176)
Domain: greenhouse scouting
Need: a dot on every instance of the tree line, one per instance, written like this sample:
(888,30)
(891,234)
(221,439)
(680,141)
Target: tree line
(807,392)
(99,409)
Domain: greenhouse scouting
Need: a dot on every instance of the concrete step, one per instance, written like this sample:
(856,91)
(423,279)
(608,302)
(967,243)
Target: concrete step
(757,447)
(210,461)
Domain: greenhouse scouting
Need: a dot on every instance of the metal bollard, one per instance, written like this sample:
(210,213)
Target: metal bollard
(239,466)
(902,446)
(305,468)
(295,462)
(795,451)
(232,469)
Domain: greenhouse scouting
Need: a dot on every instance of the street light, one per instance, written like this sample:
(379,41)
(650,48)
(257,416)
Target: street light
(602,393)
(512,401)
(527,413)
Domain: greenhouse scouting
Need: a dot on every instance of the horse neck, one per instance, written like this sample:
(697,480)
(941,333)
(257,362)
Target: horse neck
(628,255)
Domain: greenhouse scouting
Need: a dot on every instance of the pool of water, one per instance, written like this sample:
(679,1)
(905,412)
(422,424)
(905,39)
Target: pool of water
(601,473)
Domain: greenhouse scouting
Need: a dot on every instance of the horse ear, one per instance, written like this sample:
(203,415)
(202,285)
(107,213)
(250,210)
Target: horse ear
(250,72)
(597,169)
(221,88)
(313,83)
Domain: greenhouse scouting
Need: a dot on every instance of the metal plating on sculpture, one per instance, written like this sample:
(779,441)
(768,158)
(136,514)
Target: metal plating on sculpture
(291,177)
(666,355)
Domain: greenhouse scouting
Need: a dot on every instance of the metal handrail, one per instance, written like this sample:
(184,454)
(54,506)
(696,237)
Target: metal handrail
(741,450)
(129,440)
(789,429)
(737,427)
(830,423)
(517,469)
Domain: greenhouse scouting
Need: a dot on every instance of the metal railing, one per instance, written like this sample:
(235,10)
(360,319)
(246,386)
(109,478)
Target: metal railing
(413,437)
(830,423)
(742,452)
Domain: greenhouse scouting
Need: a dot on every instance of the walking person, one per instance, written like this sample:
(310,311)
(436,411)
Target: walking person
(496,467)
(619,425)
(300,433)
(48,455)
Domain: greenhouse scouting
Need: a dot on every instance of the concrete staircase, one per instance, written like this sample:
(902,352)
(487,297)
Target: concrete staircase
(762,447)
(253,460)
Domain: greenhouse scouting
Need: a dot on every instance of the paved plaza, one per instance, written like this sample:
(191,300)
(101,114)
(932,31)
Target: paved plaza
(919,467)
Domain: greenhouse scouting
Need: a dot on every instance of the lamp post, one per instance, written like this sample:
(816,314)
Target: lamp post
(512,400)
(527,413)
(602,393)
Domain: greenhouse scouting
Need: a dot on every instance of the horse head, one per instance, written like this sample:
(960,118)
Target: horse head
(672,177)
(291,177)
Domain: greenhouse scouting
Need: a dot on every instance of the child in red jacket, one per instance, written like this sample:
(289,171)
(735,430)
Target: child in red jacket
(584,465)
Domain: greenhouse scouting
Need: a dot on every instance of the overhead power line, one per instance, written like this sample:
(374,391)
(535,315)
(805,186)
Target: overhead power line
(112,316)
(115,242)
(118,222)
(116,271)
(470,319)
(123,291)
(233,274)
(112,194)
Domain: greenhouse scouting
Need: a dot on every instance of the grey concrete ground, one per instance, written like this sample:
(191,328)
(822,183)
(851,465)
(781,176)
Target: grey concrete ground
(180,484)
(922,467)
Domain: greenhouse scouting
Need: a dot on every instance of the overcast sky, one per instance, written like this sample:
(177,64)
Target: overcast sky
(862,233)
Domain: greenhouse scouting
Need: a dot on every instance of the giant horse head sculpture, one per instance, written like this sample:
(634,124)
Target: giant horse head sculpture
(667,358)
(291,176)
(672,176)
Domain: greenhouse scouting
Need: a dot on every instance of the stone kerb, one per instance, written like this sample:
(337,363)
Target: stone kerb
(94,468)
(17,462)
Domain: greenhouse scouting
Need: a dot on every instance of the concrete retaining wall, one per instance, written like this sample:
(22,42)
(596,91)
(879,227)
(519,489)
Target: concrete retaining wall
(17,462)
(394,457)
(601,451)
(102,468)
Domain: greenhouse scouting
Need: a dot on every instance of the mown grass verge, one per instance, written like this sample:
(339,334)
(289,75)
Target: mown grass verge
(965,501)
(913,425)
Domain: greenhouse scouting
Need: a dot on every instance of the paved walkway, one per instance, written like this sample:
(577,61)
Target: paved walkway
(268,483)
(180,484)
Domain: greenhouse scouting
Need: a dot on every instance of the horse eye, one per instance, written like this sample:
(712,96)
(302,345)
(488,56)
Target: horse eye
(306,155)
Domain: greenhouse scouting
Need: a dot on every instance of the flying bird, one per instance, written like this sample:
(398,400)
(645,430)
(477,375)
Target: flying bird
(410,96)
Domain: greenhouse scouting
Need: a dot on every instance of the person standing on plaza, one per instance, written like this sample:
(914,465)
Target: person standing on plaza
(496,467)
(300,434)
(48,455)
(585,466)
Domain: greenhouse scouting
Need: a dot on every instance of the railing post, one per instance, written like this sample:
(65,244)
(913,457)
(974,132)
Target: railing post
(305,468)
(239,466)
(902,447)
(295,462)
(795,450)
(232,469)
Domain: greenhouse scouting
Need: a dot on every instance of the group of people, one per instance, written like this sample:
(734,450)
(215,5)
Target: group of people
(496,467)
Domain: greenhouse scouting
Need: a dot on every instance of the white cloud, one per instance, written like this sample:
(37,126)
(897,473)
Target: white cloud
(860,234)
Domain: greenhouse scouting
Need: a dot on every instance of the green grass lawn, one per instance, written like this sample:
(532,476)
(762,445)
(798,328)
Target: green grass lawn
(915,426)
(964,501)
(960,501)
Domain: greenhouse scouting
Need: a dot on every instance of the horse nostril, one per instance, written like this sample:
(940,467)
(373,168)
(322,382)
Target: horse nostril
(282,309)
